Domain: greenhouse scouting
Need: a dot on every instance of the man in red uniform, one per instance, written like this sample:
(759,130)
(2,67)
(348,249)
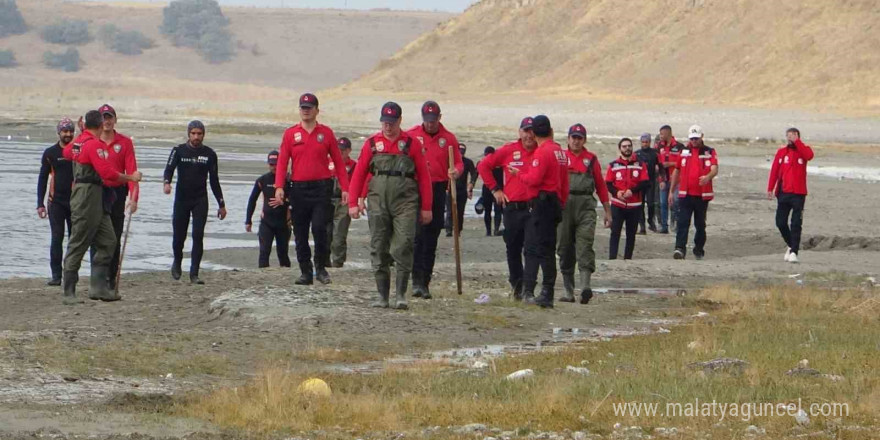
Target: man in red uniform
(436,141)
(120,151)
(90,205)
(514,197)
(697,166)
(788,182)
(669,150)
(577,230)
(398,193)
(627,180)
(547,180)
(307,145)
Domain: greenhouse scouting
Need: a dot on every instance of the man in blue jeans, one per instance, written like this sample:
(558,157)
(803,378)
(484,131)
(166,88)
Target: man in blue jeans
(670,150)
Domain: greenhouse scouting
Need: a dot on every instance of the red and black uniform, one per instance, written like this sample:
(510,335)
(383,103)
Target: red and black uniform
(361,176)
(693,198)
(626,174)
(120,152)
(788,181)
(547,180)
(516,212)
(436,152)
(57,172)
(311,189)
(669,152)
(273,221)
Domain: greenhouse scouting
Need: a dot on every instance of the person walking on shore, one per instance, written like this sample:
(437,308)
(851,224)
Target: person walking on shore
(274,217)
(669,150)
(56,173)
(488,200)
(648,155)
(627,180)
(697,166)
(464,187)
(338,230)
(788,183)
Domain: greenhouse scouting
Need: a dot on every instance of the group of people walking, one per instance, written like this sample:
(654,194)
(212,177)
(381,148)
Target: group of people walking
(547,197)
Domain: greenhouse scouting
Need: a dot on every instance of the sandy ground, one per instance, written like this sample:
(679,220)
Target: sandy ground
(246,318)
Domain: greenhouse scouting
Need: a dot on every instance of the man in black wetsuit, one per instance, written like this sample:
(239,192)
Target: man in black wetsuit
(464,190)
(195,162)
(274,225)
(60,169)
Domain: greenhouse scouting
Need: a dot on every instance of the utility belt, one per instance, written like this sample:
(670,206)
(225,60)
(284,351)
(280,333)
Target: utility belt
(580,193)
(517,206)
(89,181)
(396,174)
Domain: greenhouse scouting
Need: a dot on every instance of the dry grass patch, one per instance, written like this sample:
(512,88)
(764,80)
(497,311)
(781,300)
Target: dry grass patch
(771,328)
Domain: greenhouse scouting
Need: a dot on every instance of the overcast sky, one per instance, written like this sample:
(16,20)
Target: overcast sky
(429,5)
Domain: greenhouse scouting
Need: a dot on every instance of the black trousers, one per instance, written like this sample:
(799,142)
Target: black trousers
(540,241)
(790,204)
(311,208)
(489,204)
(461,201)
(516,216)
(697,207)
(425,251)
(183,209)
(59,215)
(619,218)
(279,233)
(648,202)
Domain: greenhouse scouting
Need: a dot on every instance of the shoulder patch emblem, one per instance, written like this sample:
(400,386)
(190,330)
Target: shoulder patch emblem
(380,146)
(442,142)
(401,144)
(297,137)
(517,155)
(320,137)
(117,148)
(618,176)
(586,162)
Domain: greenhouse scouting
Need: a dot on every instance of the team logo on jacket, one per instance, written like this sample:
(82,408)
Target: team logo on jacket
(401,145)
(636,173)
(297,137)
(708,163)
(517,155)
(787,159)
(421,139)
(332,166)
(618,176)
(117,148)
(380,146)
(102,153)
(800,161)
(535,162)
(586,162)
(442,142)
(320,137)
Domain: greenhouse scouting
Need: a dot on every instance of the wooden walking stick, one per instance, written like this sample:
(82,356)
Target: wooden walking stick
(455,226)
(122,252)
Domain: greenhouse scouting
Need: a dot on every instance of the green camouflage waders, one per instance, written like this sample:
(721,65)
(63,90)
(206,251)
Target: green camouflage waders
(90,225)
(339,228)
(392,207)
(576,232)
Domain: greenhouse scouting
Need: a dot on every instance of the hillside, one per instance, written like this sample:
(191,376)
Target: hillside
(296,50)
(812,54)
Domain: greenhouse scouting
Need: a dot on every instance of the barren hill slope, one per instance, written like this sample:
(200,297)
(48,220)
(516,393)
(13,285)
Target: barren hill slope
(817,54)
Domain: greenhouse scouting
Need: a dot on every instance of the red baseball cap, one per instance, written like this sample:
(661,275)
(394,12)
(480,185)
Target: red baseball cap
(107,109)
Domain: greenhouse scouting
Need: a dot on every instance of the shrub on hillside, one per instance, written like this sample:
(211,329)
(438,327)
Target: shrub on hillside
(124,42)
(11,21)
(7,58)
(67,61)
(67,32)
(199,24)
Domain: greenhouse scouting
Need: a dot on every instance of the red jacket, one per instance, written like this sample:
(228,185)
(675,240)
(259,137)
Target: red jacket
(511,154)
(436,153)
(579,164)
(390,146)
(549,171)
(89,150)
(625,175)
(668,152)
(693,164)
(309,152)
(788,174)
(120,153)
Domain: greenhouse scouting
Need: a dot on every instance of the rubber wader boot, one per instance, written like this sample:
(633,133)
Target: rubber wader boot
(69,280)
(401,285)
(98,288)
(586,288)
(545,301)
(176,271)
(568,285)
(384,288)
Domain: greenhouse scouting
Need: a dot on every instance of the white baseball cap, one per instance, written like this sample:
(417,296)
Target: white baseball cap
(695,132)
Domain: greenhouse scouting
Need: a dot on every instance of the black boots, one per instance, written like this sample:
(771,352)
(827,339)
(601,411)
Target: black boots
(98,288)
(517,290)
(176,271)
(545,301)
(322,276)
(306,279)
(384,288)
(586,296)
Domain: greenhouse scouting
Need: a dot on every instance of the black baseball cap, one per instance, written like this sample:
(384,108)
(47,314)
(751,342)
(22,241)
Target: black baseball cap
(430,111)
(106,109)
(344,143)
(526,123)
(273,157)
(391,112)
(488,150)
(541,125)
(308,100)
(577,130)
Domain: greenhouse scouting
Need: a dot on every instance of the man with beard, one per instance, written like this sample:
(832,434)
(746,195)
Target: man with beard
(56,171)
(627,180)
